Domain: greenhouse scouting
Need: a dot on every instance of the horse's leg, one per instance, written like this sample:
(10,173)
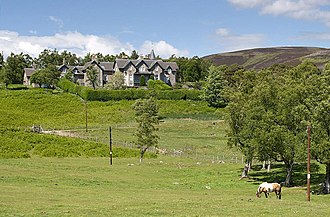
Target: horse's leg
(266,194)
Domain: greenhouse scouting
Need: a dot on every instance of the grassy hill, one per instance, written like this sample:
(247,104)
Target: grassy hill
(264,57)
(189,126)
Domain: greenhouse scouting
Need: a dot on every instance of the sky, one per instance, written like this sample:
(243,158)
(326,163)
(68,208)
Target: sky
(181,27)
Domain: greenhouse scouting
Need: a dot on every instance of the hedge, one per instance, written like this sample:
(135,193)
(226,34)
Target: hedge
(90,94)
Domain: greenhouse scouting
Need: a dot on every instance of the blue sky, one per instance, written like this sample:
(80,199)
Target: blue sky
(181,27)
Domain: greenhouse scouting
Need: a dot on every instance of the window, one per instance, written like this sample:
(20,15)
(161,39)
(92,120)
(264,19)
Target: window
(143,68)
(130,80)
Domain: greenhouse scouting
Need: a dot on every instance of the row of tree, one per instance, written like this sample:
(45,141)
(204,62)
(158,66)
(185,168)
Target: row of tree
(269,111)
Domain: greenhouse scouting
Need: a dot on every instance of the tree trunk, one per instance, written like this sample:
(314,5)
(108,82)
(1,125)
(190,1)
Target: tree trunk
(249,163)
(268,167)
(143,150)
(327,179)
(264,165)
(288,179)
(245,171)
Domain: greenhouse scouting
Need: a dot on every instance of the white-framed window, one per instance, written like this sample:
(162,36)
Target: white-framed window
(143,68)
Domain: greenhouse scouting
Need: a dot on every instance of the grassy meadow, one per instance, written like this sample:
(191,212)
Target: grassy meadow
(48,175)
(165,186)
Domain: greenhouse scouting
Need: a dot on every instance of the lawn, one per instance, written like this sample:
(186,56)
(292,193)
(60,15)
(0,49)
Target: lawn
(165,186)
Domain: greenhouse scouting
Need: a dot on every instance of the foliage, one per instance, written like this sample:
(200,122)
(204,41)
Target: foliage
(146,115)
(269,113)
(48,76)
(158,85)
(134,55)
(116,81)
(319,87)
(13,69)
(1,60)
(92,76)
(213,92)
(69,75)
(191,69)
(142,81)
(128,94)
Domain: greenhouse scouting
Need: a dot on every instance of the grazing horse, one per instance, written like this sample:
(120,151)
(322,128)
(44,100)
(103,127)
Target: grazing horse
(268,188)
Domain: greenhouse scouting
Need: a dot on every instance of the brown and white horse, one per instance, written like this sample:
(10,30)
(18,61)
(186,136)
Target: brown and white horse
(268,188)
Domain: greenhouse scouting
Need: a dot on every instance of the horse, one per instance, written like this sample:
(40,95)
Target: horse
(268,188)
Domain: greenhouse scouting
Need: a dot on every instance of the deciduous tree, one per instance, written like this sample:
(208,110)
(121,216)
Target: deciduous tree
(13,69)
(213,92)
(92,76)
(146,115)
(116,81)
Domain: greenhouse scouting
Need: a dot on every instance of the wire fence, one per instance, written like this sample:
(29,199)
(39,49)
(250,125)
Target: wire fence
(185,152)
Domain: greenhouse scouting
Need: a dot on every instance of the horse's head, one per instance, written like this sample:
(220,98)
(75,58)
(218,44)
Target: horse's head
(259,191)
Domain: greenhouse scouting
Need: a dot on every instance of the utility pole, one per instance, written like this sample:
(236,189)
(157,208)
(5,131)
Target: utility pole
(110,146)
(308,163)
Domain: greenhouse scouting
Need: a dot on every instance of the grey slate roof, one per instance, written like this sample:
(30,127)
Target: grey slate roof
(29,71)
(122,63)
(107,66)
(78,68)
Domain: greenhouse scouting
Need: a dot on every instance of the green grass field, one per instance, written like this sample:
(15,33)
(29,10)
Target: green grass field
(84,184)
(159,187)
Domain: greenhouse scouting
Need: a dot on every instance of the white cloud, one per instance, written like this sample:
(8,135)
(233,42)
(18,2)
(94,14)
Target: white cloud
(79,44)
(222,32)
(34,32)
(57,21)
(297,9)
(246,3)
(230,42)
(161,48)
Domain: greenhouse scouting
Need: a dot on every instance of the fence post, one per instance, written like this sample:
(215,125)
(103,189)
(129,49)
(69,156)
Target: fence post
(110,146)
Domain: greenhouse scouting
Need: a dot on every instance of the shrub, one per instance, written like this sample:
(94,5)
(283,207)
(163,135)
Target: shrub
(163,91)
(142,81)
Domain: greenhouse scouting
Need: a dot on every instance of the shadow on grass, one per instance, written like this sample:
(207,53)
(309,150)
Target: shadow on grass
(278,174)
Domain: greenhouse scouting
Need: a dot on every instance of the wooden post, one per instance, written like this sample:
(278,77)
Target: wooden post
(86,114)
(308,163)
(110,146)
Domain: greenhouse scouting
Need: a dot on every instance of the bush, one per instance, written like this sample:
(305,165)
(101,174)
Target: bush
(142,81)
(163,91)
(158,85)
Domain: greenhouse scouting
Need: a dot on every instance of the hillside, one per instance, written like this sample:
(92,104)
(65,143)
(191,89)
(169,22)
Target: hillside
(259,58)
